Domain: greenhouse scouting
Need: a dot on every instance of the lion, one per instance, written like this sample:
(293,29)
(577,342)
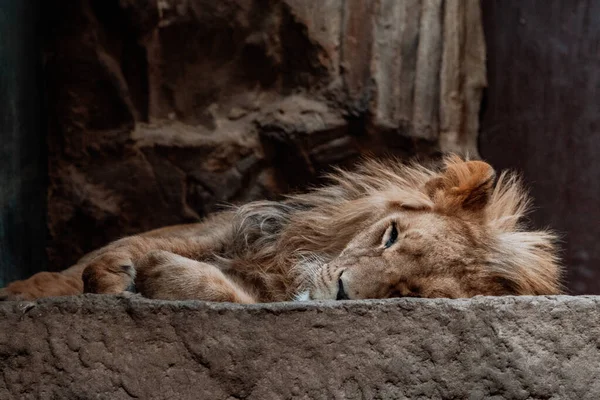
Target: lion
(387,229)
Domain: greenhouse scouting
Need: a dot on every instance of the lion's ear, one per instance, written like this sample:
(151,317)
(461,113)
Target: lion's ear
(463,185)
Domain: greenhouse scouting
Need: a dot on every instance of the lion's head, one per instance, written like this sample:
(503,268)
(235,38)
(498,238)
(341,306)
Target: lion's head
(409,231)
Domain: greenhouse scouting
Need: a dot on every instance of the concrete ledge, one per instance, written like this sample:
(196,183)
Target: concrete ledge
(119,348)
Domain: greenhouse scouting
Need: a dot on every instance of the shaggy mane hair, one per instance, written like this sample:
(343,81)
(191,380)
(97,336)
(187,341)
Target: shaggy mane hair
(293,238)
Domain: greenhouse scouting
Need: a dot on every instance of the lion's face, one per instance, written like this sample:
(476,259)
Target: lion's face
(409,254)
(448,244)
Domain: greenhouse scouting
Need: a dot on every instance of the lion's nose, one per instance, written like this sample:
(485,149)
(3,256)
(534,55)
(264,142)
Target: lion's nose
(341,294)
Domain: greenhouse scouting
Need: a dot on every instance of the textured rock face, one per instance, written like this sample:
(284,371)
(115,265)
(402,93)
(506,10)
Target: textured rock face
(159,110)
(113,348)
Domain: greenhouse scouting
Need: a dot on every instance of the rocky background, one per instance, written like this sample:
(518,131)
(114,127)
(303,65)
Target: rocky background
(160,111)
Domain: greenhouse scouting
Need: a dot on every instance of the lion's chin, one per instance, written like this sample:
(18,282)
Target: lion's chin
(302,296)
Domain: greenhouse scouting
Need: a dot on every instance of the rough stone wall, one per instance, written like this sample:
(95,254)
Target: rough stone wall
(120,348)
(160,110)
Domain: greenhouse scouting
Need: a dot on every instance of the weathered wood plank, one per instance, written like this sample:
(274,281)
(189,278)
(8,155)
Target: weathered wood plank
(542,117)
(427,78)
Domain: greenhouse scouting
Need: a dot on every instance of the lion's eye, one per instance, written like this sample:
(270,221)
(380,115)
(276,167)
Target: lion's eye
(390,236)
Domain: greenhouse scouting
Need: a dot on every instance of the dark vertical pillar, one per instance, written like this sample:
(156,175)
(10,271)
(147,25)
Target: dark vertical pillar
(22,143)
(542,117)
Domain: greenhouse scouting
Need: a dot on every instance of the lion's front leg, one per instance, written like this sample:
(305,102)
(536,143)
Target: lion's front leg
(168,276)
(113,269)
(111,272)
(42,284)
(160,268)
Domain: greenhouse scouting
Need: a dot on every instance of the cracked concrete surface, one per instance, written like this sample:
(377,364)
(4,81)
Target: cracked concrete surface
(118,348)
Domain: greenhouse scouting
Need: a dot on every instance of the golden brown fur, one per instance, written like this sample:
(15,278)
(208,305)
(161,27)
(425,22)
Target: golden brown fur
(386,230)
